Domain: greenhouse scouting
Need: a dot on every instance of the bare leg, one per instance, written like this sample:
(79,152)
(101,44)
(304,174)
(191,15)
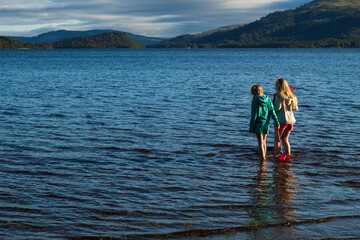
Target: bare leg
(276,143)
(285,139)
(262,145)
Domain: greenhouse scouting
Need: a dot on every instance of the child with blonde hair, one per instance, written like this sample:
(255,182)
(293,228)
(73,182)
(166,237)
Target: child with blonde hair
(261,110)
(285,104)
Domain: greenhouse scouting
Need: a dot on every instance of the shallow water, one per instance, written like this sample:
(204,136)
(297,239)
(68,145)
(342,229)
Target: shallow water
(155,144)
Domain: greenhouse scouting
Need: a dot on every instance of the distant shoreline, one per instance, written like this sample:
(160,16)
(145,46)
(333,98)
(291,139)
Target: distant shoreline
(179,48)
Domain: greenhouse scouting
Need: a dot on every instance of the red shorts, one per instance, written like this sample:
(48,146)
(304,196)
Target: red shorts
(284,126)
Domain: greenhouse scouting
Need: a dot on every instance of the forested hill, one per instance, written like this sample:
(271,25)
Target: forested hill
(105,40)
(10,43)
(320,23)
(54,36)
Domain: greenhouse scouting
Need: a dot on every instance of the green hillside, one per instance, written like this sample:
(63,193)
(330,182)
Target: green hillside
(9,43)
(105,40)
(320,23)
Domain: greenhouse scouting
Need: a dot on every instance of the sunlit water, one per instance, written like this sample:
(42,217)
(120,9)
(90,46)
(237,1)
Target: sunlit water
(144,143)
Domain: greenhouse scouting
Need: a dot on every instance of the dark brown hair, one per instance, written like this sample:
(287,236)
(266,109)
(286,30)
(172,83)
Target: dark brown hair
(256,90)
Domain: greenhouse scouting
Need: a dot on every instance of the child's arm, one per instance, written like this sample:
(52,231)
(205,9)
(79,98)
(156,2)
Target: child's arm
(277,103)
(296,108)
(273,114)
(253,116)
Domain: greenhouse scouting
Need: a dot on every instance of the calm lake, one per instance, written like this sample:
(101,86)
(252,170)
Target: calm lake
(142,144)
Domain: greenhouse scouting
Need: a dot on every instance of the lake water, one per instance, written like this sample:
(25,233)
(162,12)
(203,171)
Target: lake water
(142,144)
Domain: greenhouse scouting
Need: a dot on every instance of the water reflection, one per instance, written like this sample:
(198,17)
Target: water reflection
(273,193)
(285,189)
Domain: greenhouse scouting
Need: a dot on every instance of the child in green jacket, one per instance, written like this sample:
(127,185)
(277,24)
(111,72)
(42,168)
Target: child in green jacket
(261,110)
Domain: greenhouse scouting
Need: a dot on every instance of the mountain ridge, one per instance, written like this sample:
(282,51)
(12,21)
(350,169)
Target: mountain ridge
(53,36)
(320,23)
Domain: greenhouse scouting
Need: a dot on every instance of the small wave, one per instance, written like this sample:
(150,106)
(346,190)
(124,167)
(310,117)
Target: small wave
(47,106)
(147,116)
(95,123)
(21,209)
(9,113)
(305,106)
(71,199)
(224,207)
(142,150)
(208,155)
(123,213)
(180,152)
(116,149)
(112,149)
(35,173)
(57,115)
(176,189)
(216,145)
(350,184)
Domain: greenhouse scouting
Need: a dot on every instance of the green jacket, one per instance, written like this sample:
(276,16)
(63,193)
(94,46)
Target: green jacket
(261,110)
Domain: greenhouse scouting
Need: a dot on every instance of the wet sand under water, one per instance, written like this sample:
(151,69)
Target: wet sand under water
(257,230)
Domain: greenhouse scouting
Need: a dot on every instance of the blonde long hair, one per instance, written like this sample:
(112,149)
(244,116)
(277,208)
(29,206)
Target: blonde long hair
(282,87)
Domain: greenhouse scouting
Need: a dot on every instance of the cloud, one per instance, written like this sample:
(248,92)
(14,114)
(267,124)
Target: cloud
(164,18)
(287,4)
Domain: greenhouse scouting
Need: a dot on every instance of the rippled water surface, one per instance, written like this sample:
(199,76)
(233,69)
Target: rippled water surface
(154,144)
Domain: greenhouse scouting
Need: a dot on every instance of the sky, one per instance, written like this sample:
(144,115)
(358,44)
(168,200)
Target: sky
(153,18)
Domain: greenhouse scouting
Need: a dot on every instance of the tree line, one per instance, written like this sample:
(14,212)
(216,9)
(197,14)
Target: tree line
(106,40)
